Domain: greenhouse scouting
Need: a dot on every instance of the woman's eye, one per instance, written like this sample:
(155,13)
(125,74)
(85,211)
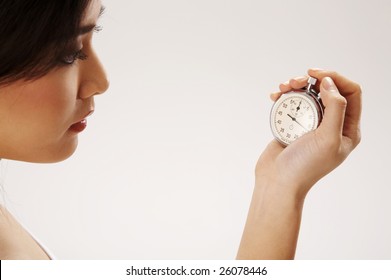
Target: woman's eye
(71,58)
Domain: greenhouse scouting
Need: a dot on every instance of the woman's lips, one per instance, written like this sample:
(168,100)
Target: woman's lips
(79,126)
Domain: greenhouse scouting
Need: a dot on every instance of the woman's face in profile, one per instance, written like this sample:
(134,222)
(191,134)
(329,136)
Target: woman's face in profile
(40,119)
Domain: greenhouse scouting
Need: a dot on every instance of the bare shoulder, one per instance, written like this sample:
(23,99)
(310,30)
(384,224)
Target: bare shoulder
(7,223)
(15,241)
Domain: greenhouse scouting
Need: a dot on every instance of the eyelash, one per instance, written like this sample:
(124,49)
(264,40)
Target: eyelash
(71,58)
(98,28)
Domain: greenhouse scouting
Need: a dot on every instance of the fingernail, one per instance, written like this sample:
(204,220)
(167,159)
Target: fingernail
(316,69)
(328,84)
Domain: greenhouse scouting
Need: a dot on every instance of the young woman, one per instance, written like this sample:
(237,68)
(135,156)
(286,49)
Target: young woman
(49,75)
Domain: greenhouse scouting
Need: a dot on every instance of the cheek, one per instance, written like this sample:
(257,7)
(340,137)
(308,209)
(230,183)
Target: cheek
(47,106)
(35,118)
(56,101)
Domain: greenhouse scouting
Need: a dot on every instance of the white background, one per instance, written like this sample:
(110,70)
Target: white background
(165,167)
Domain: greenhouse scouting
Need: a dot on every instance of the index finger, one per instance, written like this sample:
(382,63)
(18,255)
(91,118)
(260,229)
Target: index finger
(292,84)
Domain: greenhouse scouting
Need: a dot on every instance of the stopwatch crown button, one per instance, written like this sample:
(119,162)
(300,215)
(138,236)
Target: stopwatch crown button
(312,81)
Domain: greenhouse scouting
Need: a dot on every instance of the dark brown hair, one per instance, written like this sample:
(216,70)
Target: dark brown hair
(35,34)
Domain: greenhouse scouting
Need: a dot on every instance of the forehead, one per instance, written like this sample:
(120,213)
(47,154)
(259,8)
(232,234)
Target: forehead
(92,12)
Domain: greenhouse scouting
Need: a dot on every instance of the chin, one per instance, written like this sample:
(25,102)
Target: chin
(61,153)
(53,154)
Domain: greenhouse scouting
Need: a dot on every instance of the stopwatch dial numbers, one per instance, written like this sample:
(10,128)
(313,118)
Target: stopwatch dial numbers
(294,117)
(298,107)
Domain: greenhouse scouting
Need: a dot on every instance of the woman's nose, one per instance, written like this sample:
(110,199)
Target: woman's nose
(93,78)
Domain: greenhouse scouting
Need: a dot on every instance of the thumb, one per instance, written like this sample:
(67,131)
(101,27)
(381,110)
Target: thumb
(335,107)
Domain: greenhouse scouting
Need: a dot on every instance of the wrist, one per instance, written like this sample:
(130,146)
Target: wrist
(280,191)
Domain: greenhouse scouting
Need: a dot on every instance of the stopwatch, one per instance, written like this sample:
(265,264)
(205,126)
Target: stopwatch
(296,113)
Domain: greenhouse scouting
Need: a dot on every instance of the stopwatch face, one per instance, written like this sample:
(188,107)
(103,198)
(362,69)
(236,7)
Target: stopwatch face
(293,115)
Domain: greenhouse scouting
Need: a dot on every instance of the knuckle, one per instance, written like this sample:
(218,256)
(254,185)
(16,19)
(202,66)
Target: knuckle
(357,139)
(340,101)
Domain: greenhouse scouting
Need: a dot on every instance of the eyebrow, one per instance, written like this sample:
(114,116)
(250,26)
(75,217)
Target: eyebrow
(88,28)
